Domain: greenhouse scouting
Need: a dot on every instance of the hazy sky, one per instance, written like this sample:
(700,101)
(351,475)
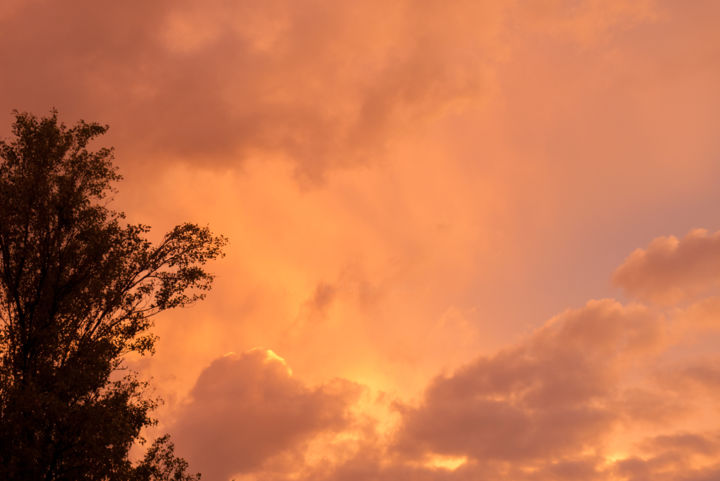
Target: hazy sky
(468,239)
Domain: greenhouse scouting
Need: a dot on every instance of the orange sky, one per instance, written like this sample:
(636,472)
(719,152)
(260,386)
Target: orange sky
(468,240)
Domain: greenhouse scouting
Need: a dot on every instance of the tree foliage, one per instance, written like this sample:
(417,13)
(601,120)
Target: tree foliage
(79,287)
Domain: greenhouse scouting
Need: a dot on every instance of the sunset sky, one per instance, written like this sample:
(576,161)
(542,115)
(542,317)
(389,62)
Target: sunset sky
(469,240)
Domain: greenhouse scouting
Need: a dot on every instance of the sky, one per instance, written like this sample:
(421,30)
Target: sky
(468,240)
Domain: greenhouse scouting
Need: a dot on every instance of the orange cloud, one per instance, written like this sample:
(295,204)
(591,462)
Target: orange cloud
(552,408)
(466,170)
(672,269)
(544,400)
(321,83)
(673,458)
(247,408)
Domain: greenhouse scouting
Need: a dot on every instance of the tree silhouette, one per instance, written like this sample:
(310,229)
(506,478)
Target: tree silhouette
(78,289)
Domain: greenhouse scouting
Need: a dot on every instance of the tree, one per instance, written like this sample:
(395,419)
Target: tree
(78,290)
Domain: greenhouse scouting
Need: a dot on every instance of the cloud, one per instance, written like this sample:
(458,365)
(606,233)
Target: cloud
(580,398)
(671,269)
(548,398)
(545,409)
(498,129)
(699,375)
(676,457)
(246,408)
(318,82)
(603,392)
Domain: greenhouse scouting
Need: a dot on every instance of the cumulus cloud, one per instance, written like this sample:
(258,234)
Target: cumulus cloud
(545,409)
(246,408)
(672,269)
(545,399)
(580,398)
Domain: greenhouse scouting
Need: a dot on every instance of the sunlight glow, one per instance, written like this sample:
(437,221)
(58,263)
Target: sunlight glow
(448,463)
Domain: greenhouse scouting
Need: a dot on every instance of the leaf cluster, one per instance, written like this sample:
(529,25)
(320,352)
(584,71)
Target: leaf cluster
(79,287)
